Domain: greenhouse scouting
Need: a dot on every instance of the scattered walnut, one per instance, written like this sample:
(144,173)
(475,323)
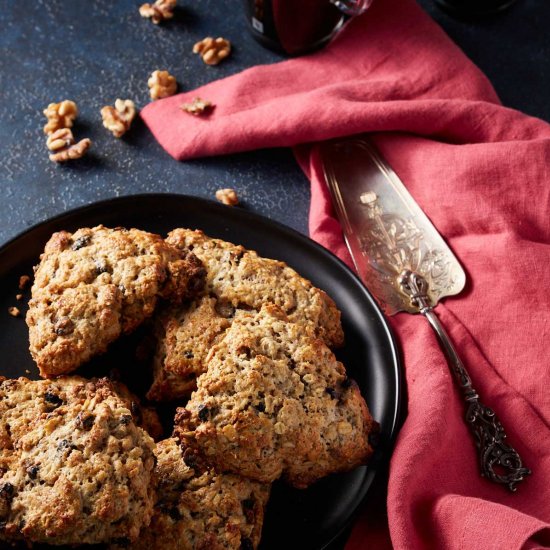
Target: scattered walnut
(198,106)
(60,115)
(227,196)
(63,146)
(213,50)
(118,119)
(24,281)
(14,312)
(159,11)
(60,139)
(162,84)
(19,297)
(73,152)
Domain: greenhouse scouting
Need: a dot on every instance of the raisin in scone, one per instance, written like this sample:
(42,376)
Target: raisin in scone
(145,416)
(275,401)
(236,279)
(74,467)
(199,509)
(98,283)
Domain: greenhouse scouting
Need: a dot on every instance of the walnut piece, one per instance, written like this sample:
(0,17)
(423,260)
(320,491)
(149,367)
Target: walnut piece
(14,312)
(159,11)
(162,84)
(227,196)
(73,152)
(60,139)
(118,119)
(213,50)
(24,281)
(61,142)
(197,106)
(60,115)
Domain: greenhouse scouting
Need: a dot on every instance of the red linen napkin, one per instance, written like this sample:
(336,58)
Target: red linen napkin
(482,174)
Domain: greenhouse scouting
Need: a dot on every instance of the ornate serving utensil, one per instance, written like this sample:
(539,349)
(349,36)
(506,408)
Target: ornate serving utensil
(407,266)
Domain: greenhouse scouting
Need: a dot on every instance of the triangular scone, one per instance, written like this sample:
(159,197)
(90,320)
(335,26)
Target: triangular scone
(239,278)
(199,509)
(74,466)
(236,279)
(98,283)
(274,402)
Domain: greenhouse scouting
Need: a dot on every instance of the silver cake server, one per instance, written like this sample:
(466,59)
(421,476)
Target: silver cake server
(407,266)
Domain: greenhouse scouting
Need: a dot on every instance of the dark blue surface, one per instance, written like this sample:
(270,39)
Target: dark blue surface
(94,52)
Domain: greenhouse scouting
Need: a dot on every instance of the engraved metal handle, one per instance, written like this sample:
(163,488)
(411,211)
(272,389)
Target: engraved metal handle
(499,461)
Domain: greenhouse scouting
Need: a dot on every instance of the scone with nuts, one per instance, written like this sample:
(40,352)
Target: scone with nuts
(240,277)
(200,509)
(276,402)
(236,279)
(184,336)
(74,467)
(96,284)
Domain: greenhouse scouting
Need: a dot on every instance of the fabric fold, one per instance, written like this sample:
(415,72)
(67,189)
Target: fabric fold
(379,60)
(465,523)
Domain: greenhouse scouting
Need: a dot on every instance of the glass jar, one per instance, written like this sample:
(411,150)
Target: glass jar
(295,27)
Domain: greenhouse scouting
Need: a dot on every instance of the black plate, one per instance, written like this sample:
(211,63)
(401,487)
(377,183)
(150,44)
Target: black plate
(307,519)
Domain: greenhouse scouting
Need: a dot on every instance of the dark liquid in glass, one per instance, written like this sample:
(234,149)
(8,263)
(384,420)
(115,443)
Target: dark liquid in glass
(293,26)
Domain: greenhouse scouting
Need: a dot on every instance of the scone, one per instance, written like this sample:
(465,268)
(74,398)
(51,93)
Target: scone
(199,509)
(75,468)
(236,279)
(184,336)
(96,284)
(274,402)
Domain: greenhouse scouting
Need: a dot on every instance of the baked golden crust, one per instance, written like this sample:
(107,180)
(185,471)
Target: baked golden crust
(236,279)
(184,336)
(75,468)
(199,509)
(242,279)
(275,401)
(96,284)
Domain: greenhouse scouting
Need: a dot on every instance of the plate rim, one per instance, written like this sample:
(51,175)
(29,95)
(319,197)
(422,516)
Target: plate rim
(376,467)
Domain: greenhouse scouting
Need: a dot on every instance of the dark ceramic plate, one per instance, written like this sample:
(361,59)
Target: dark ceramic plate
(300,519)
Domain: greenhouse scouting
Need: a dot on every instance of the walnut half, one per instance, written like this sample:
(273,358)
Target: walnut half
(227,196)
(63,146)
(14,311)
(60,115)
(159,11)
(118,119)
(162,84)
(213,50)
